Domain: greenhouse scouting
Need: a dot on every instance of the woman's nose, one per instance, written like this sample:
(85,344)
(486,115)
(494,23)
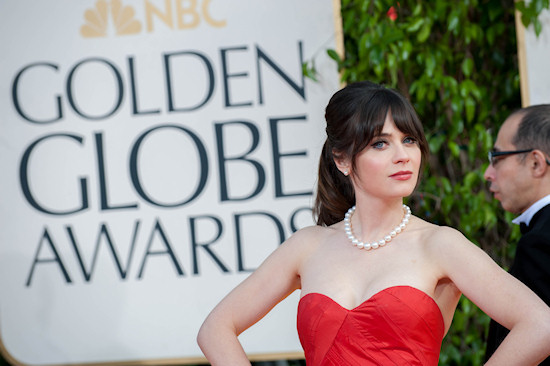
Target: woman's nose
(401,155)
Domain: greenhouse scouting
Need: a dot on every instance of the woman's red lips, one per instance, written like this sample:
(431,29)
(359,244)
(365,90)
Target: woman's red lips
(402,175)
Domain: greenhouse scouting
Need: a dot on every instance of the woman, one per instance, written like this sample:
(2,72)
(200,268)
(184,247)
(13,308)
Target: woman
(379,287)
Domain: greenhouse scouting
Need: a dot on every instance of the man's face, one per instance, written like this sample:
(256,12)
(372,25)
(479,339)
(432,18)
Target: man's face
(509,177)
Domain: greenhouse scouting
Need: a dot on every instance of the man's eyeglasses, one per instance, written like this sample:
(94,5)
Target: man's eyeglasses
(493,154)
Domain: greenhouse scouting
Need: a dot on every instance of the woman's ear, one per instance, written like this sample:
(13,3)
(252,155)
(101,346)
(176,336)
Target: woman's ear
(538,164)
(342,163)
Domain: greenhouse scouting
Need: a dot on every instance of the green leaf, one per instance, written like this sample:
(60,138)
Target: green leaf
(334,55)
(430,65)
(309,71)
(406,50)
(455,149)
(424,33)
(454,22)
(415,25)
(470,179)
(538,26)
(467,66)
(447,188)
(436,142)
(470,108)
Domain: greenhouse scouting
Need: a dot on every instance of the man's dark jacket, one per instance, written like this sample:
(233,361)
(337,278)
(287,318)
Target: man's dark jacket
(532,267)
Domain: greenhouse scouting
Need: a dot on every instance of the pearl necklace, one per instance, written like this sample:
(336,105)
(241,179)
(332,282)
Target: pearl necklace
(376,244)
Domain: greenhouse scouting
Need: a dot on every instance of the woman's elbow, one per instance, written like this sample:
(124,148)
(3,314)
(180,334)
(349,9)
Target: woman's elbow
(202,335)
(540,326)
(545,325)
(212,329)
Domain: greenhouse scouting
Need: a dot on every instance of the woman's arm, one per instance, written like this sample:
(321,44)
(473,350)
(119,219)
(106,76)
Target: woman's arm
(274,280)
(501,296)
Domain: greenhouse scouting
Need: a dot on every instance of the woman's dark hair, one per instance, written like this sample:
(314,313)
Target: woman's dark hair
(355,115)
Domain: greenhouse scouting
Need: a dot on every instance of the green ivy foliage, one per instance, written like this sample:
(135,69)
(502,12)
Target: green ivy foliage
(530,13)
(457,63)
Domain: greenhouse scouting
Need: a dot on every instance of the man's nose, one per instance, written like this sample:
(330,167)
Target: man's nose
(489,174)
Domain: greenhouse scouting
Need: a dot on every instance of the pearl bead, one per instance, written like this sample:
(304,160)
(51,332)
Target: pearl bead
(376,244)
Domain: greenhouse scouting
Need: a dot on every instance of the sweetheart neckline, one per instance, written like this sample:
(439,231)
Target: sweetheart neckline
(375,295)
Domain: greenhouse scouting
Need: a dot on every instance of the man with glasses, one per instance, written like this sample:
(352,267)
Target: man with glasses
(519,177)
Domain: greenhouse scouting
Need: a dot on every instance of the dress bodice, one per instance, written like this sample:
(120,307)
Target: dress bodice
(400,325)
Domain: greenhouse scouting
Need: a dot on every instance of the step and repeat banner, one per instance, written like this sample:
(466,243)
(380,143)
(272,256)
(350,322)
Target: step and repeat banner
(153,153)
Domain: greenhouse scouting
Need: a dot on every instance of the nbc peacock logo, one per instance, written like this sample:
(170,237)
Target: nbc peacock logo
(97,20)
(173,14)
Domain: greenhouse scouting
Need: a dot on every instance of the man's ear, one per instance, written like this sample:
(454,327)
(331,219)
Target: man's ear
(539,167)
(342,163)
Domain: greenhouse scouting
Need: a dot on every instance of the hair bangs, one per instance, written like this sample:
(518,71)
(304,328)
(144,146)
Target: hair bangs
(369,120)
(405,119)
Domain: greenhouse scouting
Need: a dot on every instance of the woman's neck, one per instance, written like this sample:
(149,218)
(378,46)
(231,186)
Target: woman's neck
(374,219)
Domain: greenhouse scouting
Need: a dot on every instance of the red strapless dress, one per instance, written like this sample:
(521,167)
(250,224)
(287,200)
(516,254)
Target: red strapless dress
(399,325)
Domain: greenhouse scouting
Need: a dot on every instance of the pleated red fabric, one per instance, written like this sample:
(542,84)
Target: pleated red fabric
(400,325)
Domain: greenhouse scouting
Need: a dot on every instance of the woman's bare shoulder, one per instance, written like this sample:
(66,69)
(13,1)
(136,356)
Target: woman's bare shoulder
(437,232)
(437,237)
(312,235)
(302,244)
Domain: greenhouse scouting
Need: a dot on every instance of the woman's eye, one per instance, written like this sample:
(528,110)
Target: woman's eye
(379,144)
(409,140)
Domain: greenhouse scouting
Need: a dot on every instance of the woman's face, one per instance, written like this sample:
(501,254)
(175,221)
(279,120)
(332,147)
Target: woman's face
(389,166)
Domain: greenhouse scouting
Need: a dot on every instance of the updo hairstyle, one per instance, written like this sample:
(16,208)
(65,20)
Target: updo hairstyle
(354,116)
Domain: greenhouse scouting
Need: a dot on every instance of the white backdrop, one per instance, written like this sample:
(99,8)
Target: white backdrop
(534,57)
(153,153)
